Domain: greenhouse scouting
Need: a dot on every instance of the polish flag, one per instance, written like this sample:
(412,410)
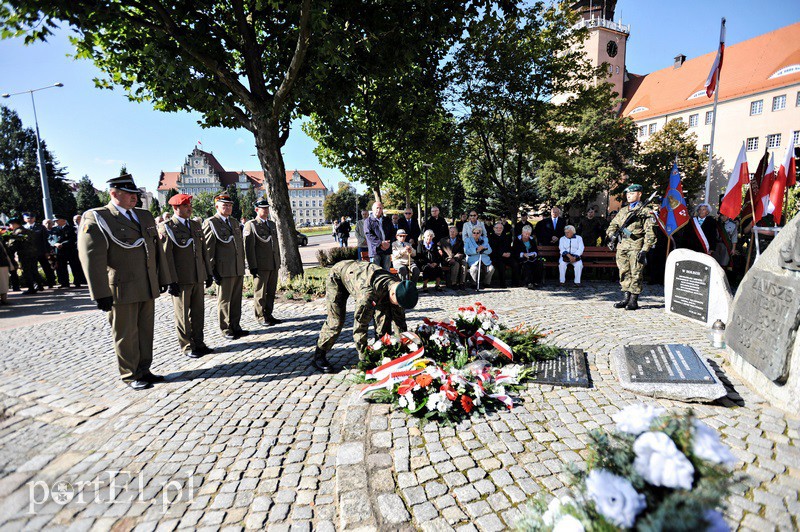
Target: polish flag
(787,177)
(764,205)
(716,68)
(731,204)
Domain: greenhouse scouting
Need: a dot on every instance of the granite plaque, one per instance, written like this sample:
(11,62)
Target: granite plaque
(764,322)
(568,369)
(691,290)
(665,364)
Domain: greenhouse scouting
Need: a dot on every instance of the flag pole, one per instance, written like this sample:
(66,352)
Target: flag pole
(714,117)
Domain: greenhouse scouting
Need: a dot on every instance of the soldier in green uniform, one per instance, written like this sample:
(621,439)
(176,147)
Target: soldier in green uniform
(263,259)
(185,248)
(375,291)
(21,242)
(632,230)
(225,249)
(126,270)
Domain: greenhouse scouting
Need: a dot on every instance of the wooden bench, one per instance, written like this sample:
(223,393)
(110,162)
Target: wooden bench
(597,257)
(365,257)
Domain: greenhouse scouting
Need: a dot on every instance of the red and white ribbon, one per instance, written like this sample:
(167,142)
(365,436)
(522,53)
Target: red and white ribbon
(389,381)
(495,342)
(505,399)
(394,365)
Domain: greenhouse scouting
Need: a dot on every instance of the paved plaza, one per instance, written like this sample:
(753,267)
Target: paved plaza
(251,438)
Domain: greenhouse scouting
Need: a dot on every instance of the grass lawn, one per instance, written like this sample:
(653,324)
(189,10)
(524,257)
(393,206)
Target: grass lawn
(314,231)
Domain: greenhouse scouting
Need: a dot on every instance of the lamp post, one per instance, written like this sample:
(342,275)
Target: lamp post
(48,205)
(426,165)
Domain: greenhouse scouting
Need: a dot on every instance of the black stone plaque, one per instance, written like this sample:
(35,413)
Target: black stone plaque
(764,322)
(690,287)
(568,369)
(671,363)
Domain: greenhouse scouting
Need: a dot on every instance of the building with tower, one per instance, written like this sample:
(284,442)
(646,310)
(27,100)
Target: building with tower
(202,172)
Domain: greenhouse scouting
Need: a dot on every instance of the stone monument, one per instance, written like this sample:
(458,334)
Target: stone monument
(762,328)
(695,286)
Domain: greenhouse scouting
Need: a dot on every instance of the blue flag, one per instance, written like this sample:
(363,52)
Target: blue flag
(673,213)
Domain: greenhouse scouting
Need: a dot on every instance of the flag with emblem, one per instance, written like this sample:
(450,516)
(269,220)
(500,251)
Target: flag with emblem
(673,213)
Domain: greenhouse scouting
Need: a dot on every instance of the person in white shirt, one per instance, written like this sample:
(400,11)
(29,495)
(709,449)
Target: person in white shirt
(466,230)
(571,248)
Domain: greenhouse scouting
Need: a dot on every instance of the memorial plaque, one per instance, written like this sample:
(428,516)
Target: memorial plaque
(569,369)
(764,322)
(671,363)
(691,290)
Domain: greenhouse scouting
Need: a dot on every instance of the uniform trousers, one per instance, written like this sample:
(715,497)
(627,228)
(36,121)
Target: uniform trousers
(229,304)
(132,330)
(189,316)
(631,271)
(265,284)
(70,259)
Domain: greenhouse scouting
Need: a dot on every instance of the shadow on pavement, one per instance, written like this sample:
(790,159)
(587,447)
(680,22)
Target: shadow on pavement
(24,310)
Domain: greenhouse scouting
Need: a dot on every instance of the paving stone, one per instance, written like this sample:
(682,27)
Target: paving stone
(392,509)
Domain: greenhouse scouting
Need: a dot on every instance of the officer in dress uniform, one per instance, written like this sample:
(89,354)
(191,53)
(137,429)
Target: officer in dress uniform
(375,291)
(125,266)
(263,259)
(187,257)
(21,242)
(225,249)
(632,229)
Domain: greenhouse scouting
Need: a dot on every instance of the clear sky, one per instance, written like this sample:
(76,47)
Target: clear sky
(93,132)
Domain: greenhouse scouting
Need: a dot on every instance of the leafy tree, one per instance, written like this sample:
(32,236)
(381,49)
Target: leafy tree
(203,204)
(155,208)
(234,193)
(658,154)
(341,203)
(105,197)
(87,197)
(20,181)
(248,200)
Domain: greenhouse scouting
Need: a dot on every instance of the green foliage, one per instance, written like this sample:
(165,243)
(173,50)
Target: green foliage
(329,257)
(307,286)
(341,203)
(203,205)
(87,197)
(792,207)
(657,156)
(155,208)
(526,346)
(233,192)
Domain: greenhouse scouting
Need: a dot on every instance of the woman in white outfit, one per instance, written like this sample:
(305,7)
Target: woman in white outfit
(571,248)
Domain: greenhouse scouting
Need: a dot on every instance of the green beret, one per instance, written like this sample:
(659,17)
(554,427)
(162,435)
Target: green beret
(634,188)
(407,294)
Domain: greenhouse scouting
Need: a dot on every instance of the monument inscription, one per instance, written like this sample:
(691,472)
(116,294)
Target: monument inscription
(568,369)
(764,322)
(671,363)
(691,290)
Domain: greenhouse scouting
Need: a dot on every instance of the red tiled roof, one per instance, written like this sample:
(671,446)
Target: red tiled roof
(746,69)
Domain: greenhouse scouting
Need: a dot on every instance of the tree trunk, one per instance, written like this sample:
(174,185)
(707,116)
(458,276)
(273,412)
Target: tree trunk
(269,155)
(408,189)
(377,192)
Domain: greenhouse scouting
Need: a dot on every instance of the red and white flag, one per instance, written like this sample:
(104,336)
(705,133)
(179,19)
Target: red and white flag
(787,177)
(731,204)
(716,68)
(763,204)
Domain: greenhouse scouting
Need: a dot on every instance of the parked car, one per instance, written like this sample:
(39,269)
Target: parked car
(301,238)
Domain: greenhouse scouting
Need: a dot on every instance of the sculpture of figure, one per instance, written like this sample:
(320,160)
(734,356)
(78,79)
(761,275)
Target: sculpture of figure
(790,254)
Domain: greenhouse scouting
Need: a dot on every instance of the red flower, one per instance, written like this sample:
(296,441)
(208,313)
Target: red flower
(449,391)
(386,339)
(424,380)
(406,386)
(466,403)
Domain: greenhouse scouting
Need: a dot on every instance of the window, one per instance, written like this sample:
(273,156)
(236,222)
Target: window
(653,128)
(774,140)
(693,119)
(642,131)
(796,138)
(752,144)
(709,117)
(706,148)
(756,107)
(779,102)
(798,99)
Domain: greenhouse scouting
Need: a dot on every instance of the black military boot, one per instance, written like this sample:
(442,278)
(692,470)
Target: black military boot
(623,303)
(321,363)
(633,304)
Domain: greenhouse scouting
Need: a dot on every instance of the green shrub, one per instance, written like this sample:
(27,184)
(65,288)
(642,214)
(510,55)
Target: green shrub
(308,287)
(332,256)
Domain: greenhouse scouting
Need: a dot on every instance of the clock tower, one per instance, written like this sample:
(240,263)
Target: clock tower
(607,39)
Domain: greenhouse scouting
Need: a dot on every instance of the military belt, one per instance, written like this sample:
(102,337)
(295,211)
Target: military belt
(632,237)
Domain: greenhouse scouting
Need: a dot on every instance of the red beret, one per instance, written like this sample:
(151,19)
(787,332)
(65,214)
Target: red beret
(180,199)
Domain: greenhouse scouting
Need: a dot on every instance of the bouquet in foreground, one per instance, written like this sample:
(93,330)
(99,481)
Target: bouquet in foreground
(657,471)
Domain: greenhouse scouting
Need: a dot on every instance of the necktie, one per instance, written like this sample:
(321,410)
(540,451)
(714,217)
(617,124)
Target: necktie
(228,221)
(130,216)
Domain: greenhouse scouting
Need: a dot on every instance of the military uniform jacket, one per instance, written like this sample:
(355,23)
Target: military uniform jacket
(66,237)
(185,248)
(119,257)
(368,283)
(224,246)
(641,228)
(261,245)
(21,242)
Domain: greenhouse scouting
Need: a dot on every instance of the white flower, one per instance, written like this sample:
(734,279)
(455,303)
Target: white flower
(377,345)
(407,400)
(385,360)
(635,419)
(706,445)
(444,405)
(614,497)
(402,401)
(660,462)
(554,512)
(716,523)
(568,524)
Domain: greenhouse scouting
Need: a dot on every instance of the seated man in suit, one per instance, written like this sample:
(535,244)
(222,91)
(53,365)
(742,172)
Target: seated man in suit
(549,230)
(453,256)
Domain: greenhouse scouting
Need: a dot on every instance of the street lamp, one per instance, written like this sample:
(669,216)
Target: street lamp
(426,165)
(48,205)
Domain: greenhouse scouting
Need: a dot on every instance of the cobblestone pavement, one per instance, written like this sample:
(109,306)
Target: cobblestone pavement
(251,438)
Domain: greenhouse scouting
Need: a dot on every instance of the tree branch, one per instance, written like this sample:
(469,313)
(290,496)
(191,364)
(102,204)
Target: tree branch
(282,94)
(251,52)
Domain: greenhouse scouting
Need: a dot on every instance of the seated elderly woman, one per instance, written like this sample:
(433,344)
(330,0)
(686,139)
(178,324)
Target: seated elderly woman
(477,249)
(430,260)
(571,248)
(403,255)
(526,253)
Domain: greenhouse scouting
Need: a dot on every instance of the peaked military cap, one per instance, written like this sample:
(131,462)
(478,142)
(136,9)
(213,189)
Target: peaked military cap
(26,215)
(59,217)
(124,183)
(15,220)
(180,199)
(634,188)
(223,198)
(407,294)
(262,203)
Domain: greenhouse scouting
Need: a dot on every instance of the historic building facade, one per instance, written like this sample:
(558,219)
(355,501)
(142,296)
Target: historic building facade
(202,172)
